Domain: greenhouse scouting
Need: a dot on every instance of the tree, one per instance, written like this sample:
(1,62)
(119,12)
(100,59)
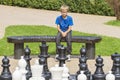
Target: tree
(116,6)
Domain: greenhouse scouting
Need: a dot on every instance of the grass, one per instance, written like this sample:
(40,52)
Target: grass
(106,47)
(113,23)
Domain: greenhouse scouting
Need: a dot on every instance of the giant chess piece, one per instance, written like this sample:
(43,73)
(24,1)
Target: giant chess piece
(82,76)
(110,76)
(37,71)
(17,75)
(27,52)
(56,72)
(83,51)
(65,74)
(61,55)
(22,67)
(82,60)
(43,60)
(99,74)
(113,56)
(82,63)
(117,68)
(6,74)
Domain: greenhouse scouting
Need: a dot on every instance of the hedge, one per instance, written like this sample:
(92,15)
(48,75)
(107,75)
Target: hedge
(98,7)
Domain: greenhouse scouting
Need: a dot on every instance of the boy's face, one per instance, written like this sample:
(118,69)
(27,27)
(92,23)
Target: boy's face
(64,13)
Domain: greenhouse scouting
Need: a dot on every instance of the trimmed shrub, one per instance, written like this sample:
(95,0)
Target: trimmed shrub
(98,7)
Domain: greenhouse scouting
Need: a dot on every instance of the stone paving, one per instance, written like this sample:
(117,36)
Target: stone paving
(82,22)
(72,65)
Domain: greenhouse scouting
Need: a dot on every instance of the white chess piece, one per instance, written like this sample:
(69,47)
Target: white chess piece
(65,74)
(110,76)
(22,66)
(82,76)
(17,75)
(56,72)
(65,68)
(37,71)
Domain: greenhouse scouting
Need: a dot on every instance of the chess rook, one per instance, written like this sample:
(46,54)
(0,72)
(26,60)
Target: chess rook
(113,56)
(117,68)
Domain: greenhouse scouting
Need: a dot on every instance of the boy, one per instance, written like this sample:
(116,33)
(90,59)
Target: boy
(64,26)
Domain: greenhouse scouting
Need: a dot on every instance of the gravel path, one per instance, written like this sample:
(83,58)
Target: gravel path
(82,22)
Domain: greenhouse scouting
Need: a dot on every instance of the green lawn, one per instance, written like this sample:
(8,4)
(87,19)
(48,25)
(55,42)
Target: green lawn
(113,23)
(106,47)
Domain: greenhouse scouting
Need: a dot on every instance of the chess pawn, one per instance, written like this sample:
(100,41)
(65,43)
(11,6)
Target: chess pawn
(83,51)
(99,73)
(65,74)
(82,76)
(37,69)
(110,76)
(17,75)
(5,74)
(56,72)
(22,65)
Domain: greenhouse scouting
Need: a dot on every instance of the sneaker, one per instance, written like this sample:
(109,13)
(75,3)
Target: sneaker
(68,58)
(56,57)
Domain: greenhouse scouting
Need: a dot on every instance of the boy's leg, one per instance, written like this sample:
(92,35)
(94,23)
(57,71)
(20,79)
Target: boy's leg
(69,44)
(58,38)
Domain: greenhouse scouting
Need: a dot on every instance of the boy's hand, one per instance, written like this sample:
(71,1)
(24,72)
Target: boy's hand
(64,34)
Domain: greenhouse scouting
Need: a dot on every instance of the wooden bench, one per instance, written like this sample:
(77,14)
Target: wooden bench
(20,40)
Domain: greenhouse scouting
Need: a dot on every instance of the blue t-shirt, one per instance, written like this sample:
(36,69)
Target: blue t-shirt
(64,23)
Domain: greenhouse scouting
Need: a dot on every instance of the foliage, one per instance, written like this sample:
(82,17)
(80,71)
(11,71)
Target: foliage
(106,47)
(99,7)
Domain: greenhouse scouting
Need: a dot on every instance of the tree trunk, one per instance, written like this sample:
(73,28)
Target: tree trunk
(117,8)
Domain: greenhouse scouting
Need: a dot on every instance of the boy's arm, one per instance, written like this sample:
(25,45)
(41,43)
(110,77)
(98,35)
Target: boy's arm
(69,29)
(58,28)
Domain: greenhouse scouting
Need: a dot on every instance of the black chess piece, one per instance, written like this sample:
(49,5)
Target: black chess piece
(43,60)
(43,50)
(99,74)
(6,74)
(113,56)
(82,63)
(117,68)
(61,55)
(83,51)
(27,52)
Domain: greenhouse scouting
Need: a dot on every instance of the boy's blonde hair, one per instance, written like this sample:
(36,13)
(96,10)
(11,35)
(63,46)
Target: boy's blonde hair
(64,7)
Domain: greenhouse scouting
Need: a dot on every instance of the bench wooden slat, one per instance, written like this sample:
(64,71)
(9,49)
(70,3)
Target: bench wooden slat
(81,39)
(20,40)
